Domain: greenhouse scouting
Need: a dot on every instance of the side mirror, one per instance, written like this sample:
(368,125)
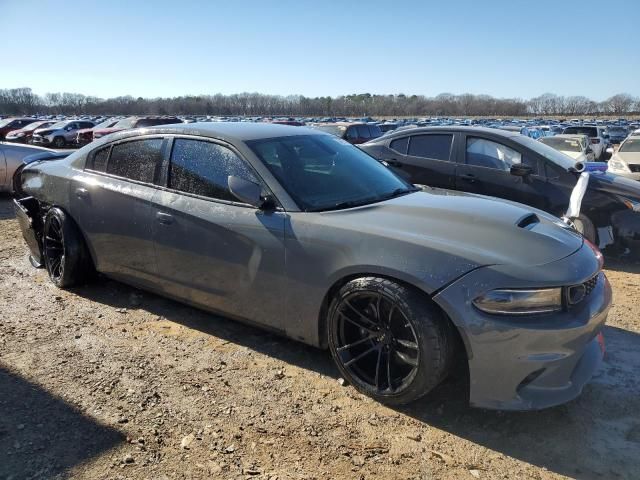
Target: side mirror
(245,191)
(610,150)
(588,150)
(520,170)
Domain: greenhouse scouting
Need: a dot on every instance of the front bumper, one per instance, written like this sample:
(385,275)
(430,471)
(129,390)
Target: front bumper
(529,362)
(38,140)
(23,139)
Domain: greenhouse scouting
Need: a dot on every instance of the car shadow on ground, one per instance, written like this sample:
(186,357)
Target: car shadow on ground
(42,436)
(595,436)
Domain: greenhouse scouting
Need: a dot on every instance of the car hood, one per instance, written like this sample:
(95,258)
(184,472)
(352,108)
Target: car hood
(577,156)
(629,157)
(482,230)
(616,184)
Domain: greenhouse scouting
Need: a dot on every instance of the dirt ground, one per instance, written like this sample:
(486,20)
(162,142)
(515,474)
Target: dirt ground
(105,381)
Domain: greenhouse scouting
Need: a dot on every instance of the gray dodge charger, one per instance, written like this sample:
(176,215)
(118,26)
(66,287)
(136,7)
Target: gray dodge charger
(299,232)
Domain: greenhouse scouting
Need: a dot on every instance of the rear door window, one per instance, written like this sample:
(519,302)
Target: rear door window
(437,146)
(203,168)
(363,132)
(136,160)
(99,160)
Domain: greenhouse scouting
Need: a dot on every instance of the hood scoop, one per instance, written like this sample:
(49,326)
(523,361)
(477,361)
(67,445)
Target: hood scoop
(528,221)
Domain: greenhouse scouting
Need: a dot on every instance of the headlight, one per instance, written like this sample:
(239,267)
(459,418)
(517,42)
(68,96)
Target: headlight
(618,165)
(631,204)
(520,302)
(20,134)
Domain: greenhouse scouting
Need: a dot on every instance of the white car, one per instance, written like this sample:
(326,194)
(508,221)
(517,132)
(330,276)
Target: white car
(574,146)
(598,138)
(626,161)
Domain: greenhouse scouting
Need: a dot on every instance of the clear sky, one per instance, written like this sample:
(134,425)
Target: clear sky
(152,48)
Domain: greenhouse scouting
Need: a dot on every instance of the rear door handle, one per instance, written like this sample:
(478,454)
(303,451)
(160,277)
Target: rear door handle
(82,193)
(468,177)
(394,163)
(164,218)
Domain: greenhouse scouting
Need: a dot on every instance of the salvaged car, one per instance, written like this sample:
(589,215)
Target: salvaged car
(574,146)
(302,233)
(505,164)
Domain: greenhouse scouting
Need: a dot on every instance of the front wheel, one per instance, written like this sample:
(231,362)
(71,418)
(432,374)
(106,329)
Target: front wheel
(59,142)
(388,340)
(65,253)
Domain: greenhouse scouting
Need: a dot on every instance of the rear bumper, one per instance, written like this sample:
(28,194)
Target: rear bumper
(529,362)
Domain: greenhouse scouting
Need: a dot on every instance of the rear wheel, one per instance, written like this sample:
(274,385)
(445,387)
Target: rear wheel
(65,253)
(388,340)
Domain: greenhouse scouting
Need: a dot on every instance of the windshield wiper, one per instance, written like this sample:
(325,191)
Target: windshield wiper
(398,192)
(359,203)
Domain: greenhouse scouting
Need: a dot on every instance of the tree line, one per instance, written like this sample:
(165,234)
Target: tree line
(23,101)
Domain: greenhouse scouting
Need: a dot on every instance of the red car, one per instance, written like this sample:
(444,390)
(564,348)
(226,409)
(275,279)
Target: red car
(86,134)
(24,134)
(13,123)
(135,122)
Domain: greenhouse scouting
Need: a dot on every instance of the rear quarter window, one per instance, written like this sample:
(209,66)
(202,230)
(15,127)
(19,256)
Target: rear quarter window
(400,145)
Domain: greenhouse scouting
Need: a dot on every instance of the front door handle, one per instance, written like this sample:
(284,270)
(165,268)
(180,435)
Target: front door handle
(468,177)
(164,218)
(82,193)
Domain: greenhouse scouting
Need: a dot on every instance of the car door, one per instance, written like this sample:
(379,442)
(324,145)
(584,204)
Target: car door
(425,159)
(211,249)
(3,170)
(111,201)
(487,170)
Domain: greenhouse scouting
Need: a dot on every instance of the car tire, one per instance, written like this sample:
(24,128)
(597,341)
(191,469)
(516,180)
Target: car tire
(59,142)
(389,340)
(65,253)
(586,228)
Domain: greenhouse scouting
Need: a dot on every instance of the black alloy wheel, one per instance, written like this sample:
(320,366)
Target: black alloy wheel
(389,340)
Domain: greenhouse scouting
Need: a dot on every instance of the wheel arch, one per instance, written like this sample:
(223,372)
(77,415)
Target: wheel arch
(460,338)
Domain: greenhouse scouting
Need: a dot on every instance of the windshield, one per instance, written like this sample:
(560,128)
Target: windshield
(589,131)
(336,130)
(5,122)
(546,151)
(59,125)
(106,124)
(631,145)
(322,172)
(125,123)
(562,144)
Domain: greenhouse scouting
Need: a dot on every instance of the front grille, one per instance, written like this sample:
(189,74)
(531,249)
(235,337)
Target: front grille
(634,168)
(577,293)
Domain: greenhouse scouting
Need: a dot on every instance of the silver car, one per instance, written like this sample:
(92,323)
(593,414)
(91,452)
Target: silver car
(626,161)
(60,134)
(12,156)
(302,233)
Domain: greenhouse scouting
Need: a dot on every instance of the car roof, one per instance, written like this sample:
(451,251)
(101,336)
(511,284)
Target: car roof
(568,135)
(238,131)
(453,128)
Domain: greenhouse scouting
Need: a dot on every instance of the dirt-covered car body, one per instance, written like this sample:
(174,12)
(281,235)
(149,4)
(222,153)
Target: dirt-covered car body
(279,265)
